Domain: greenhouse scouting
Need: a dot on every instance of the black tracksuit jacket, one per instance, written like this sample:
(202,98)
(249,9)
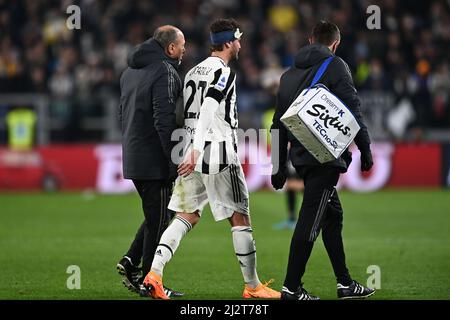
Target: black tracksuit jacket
(150,87)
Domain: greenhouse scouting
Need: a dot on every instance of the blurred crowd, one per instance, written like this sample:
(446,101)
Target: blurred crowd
(407,59)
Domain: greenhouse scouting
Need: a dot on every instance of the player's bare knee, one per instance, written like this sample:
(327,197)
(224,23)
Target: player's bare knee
(240,219)
(191,217)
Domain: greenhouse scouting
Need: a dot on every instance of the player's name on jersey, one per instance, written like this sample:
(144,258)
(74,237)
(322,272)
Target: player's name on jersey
(201,71)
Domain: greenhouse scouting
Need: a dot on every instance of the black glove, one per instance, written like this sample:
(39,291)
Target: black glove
(347,157)
(278,179)
(366,160)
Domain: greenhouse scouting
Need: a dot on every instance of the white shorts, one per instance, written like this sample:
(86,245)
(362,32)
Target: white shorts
(226,192)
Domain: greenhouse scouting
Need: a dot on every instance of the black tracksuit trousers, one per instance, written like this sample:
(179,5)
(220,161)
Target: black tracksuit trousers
(155,196)
(320,210)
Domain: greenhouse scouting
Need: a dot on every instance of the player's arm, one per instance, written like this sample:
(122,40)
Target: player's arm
(342,85)
(214,95)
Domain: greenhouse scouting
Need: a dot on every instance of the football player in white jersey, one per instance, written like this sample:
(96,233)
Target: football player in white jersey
(211,171)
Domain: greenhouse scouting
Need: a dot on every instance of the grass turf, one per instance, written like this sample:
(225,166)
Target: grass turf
(405,233)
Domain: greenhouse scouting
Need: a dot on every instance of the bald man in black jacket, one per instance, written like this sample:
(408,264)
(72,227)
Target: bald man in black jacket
(150,87)
(321,208)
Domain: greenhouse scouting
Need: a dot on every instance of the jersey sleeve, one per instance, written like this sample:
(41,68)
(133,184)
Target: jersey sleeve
(220,84)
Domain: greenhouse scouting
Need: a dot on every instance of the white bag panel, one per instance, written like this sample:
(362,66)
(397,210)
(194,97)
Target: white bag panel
(321,122)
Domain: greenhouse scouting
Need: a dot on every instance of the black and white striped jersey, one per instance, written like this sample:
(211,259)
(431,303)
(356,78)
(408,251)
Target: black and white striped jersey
(210,90)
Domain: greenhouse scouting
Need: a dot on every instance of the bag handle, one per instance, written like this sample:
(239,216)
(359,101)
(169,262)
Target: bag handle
(321,71)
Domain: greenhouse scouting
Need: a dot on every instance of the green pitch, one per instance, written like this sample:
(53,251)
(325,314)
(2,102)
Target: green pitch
(405,233)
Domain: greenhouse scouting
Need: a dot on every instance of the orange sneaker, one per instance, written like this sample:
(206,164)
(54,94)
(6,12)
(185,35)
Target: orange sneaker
(154,283)
(261,291)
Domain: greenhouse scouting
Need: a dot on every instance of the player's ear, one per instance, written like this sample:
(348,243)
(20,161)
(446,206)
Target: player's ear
(170,49)
(335,45)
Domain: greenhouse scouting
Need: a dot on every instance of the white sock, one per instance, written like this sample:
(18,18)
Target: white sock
(244,247)
(169,242)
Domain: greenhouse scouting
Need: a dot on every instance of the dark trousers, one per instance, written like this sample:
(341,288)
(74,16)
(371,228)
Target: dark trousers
(155,196)
(320,210)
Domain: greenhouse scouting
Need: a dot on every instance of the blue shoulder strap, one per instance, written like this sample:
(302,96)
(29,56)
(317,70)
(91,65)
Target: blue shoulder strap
(321,71)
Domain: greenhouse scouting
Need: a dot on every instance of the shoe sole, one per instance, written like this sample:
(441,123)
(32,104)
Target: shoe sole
(121,270)
(173,294)
(255,297)
(357,297)
(251,296)
(144,293)
(294,299)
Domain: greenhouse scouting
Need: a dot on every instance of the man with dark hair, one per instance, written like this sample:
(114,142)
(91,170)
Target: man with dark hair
(150,87)
(321,208)
(219,26)
(326,33)
(211,171)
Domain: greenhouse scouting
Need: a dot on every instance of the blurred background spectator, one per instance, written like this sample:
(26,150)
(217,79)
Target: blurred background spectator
(401,70)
